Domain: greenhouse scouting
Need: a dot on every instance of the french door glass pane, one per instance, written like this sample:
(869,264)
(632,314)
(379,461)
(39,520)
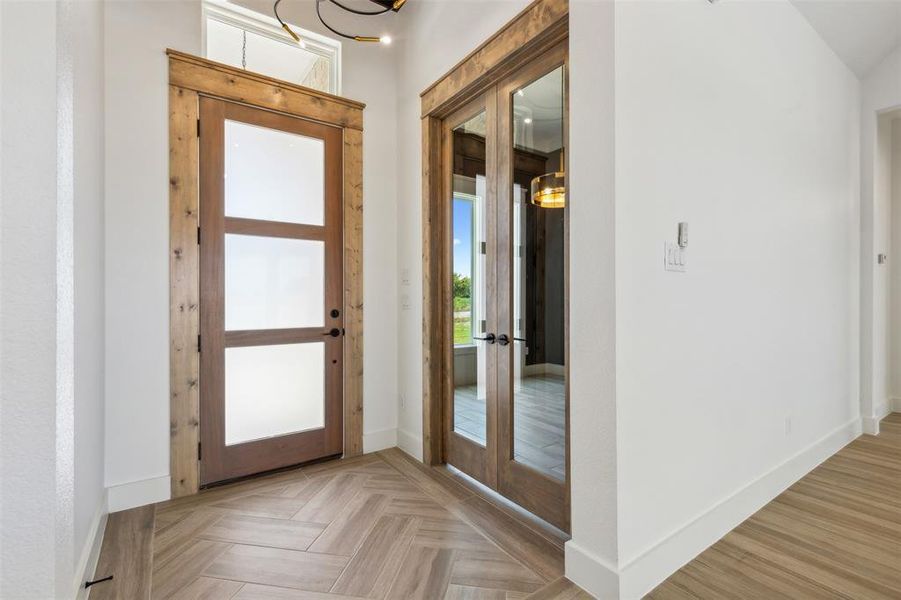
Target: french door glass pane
(273,283)
(469,279)
(539,371)
(273,390)
(273,175)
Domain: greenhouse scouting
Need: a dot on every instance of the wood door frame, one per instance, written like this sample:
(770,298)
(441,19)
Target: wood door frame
(189,78)
(538,28)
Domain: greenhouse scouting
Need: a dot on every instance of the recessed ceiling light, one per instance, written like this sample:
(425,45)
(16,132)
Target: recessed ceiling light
(527,120)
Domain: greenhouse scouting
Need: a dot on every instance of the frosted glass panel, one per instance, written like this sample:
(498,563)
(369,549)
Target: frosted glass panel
(273,390)
(273,175)
(273,283)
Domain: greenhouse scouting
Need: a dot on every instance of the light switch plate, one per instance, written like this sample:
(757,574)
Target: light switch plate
(674,257)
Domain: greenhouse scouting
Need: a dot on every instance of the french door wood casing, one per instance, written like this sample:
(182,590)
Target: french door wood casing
(223,459)
(477,145)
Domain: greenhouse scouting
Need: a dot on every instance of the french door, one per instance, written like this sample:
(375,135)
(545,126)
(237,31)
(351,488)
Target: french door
(271,290)
(505,418)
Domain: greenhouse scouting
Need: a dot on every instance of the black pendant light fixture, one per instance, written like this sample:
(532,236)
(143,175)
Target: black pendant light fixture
(384,7)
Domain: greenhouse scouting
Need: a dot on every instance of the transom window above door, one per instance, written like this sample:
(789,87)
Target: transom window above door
(246,39)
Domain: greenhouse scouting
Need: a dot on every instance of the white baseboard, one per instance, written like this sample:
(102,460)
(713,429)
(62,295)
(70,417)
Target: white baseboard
(379,440)
(138,493)
(640,574)
(409,443)
(590,572)
(87,563)
(544,369)
(870,425)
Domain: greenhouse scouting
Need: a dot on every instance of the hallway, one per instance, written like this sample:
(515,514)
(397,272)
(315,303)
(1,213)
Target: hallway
(833,534)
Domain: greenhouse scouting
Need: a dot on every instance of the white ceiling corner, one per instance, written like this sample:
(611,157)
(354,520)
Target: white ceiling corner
(860,32)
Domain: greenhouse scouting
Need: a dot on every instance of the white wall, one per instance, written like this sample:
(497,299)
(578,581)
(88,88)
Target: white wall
(893,177)
(592,555)
(450,31)
(881,92)
(137,329)
(737,376)
(28,254)
(51,415)
(90,492)
(137,241)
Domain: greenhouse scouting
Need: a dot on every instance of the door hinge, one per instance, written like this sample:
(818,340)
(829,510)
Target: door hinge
(198,127)
(198,342)
(199,451)
(198,236)
(483,248)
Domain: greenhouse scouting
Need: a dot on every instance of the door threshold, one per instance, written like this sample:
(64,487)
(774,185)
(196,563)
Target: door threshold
(262,474)
(530,520)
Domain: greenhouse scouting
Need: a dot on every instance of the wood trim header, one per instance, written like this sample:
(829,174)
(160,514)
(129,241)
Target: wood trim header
(223,81)
(539,26)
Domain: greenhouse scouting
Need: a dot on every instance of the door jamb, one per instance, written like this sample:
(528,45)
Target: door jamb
(189,78)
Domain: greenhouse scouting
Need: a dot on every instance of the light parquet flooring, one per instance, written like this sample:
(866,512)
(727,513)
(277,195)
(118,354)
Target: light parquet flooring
(835,534)
(379,526)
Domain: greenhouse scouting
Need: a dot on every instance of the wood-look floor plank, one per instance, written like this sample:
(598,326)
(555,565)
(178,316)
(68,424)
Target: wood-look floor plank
(262,506)
(252,591)
(263,531)
(176,574)
(347,531)
(378,531)
(126,554)
(373,567)
(560,589)
(424,574)
(493,569)
(513,537)
(445,490)
(464,592)
(207,588)
(329,501)
(281,568)
(170,540)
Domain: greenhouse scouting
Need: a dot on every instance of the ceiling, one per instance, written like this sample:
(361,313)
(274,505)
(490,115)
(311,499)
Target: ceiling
(860,32)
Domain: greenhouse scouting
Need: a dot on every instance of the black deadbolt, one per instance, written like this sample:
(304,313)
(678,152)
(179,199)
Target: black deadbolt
(335,313)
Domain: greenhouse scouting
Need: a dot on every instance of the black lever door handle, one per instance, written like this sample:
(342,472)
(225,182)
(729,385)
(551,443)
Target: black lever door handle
(516,339)
(334,332)
(488,338)
(503,340)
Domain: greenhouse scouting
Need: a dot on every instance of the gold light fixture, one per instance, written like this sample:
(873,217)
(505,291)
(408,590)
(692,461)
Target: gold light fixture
(385,6)
(549,190)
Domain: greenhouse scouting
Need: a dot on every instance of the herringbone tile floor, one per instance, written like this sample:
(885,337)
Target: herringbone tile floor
(378,527)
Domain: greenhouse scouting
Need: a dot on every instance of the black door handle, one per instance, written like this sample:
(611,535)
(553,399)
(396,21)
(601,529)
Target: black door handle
(334,332)
(503,340)
(488,338)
